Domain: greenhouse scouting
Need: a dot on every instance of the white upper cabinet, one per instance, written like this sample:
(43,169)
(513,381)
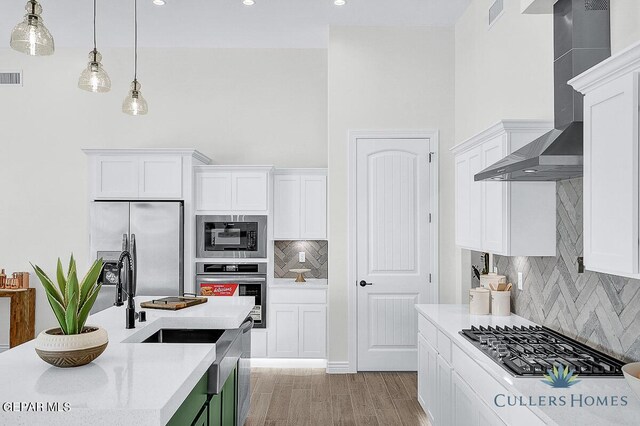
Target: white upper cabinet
(506,218)
(160,177)
(611,158)
(232,189)
(300,204)
(139,174)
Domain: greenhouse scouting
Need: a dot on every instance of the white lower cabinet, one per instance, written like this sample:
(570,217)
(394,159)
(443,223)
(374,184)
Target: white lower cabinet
(297,329)
(468,408)
(258,343)
(427,378)
(445,414)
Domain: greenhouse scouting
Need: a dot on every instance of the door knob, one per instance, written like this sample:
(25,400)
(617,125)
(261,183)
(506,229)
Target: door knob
(363,283)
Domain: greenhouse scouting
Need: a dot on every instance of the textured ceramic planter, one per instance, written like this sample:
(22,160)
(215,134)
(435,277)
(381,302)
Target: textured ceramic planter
(74,350)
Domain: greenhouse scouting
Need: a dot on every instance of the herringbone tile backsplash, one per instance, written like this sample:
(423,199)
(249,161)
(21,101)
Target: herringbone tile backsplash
(286,258)
(601,310)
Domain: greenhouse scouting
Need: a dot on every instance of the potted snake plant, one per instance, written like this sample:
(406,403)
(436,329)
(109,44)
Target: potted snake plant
(72,343)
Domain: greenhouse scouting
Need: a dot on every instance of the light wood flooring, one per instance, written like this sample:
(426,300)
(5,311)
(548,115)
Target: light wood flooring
(291,397)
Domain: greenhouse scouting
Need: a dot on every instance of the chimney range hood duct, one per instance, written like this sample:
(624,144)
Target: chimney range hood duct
(582,39)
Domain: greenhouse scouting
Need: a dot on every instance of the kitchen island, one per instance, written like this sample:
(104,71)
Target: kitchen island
(460,385)
(130,383)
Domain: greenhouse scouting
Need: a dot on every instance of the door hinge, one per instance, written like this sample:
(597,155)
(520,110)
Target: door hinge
(431,156)
(429,217)
(429,277)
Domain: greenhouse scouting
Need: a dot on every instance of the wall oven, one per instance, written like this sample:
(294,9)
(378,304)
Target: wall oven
(236,236)
(236,279)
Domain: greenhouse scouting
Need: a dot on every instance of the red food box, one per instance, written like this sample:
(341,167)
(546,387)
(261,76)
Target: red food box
(219,289)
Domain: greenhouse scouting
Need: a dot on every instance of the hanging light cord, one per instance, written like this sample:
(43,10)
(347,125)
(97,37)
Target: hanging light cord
(135,57)
(95,46)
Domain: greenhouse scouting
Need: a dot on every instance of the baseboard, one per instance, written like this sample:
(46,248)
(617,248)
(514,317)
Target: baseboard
(288,363)
(338,367)
(4,347)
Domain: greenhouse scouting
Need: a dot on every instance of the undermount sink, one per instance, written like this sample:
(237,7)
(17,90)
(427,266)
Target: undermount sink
(175,335)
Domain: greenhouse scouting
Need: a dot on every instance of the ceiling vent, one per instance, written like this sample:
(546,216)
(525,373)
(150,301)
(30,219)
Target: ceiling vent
(11,78)
(495,11)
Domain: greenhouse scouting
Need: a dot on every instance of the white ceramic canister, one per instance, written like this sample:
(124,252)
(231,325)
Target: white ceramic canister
(501,303)
(479,301)
(487,279)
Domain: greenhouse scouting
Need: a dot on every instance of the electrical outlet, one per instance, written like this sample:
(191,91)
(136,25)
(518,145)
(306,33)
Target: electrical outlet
(520,281)
(301,257)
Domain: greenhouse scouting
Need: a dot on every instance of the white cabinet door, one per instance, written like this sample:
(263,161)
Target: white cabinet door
(116,177)
(487,417)
(445,415)
(313,331)
(494,213)
(286,208)
(213,190)
(249,191)
(427,378)
(160,177)
(468,195)
(283,333)
(464,403)
(611,177)
(313,212)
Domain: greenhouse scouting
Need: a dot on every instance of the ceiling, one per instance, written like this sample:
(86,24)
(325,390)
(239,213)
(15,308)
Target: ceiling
(225,23)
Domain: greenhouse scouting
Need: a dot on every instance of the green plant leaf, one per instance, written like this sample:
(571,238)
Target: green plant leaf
(89,281)
(71,314)
(62,281)
(72,288)
(58,311)
(72,264)
(86,307)
(48,285)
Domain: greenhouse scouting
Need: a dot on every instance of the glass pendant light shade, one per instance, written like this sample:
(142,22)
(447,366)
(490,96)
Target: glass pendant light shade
(94,78)
(31,36)
(134,103)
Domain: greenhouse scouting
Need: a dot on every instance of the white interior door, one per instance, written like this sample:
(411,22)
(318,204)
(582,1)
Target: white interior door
(392,250)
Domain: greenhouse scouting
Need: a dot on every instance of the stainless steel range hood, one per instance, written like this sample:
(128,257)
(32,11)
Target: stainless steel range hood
(582,39)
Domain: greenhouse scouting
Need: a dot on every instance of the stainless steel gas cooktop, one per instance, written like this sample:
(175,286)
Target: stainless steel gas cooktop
(531,351)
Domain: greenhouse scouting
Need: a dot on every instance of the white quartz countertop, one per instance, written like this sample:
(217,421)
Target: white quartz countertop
(451,319)
(130,383)
(316,283)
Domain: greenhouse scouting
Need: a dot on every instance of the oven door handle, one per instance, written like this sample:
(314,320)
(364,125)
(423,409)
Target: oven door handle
(234,280)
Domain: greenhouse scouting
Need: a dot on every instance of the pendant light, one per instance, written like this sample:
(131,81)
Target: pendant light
(31,36)
(94,78)
(134,103)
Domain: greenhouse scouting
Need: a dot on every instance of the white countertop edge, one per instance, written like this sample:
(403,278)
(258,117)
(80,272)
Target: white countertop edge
(311,283)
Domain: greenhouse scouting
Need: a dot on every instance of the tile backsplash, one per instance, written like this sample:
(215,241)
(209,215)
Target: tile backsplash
(286,258)
(601,310)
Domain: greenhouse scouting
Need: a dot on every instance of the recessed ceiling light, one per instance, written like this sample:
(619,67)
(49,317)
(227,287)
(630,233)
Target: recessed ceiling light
(248,2)
(530,171)
(340,2)
(159,2)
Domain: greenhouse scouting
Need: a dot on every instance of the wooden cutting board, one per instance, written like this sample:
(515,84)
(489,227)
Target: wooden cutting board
(173,303)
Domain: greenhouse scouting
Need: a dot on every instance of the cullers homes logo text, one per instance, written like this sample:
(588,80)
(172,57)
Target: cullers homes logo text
(560,378)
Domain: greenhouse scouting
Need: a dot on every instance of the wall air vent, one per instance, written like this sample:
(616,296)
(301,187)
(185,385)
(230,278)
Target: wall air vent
(596,4)
(10,78)
(495,11)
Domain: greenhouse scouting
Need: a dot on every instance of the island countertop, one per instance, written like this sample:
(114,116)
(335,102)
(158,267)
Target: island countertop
(130,383)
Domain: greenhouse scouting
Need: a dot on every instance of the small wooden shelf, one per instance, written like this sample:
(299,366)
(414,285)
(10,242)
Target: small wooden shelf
(22,318)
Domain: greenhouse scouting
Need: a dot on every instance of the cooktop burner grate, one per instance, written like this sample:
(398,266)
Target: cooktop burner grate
(531,351)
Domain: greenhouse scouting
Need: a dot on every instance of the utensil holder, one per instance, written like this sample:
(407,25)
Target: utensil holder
(501,303)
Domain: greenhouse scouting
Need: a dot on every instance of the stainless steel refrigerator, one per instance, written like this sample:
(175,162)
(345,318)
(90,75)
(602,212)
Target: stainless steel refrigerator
(157,228)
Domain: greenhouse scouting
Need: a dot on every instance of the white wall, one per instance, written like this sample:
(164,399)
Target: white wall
(237,106)
(385,79)
(625,23)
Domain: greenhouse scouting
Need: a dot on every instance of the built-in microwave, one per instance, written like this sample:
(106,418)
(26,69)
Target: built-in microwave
(236,236)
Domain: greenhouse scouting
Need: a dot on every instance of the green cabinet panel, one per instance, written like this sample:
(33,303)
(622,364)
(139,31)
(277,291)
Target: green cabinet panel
(215,410)
(190,408)
(222,407)
(203,418)
(229,401)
